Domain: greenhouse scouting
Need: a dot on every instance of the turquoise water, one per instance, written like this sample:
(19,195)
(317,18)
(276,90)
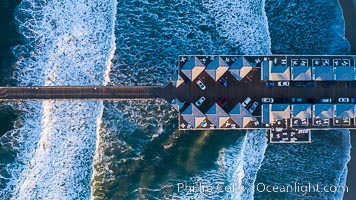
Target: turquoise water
(156,36)
(322,162)
(138,151)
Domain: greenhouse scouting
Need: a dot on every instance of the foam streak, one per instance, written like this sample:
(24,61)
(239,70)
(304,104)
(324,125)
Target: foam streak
(68,43)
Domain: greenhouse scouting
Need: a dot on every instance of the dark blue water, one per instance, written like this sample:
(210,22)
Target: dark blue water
(192,28)
(140,153)
(312,27)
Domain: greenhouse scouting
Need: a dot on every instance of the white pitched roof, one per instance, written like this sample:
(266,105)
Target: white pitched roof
(193,116)
(193,68)
(279,72)
(216,68)
(322,73)
(323,111)
(247,120)
(238,113)
(240,68)
(178,82)
(217,115)
(301,111)
(344,110)
(301,73)
(279,111)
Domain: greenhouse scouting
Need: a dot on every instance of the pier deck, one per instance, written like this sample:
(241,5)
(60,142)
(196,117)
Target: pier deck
(309,100)
(87,92)
(313,83)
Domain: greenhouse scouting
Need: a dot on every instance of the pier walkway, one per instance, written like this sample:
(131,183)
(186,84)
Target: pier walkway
(87,92)
(289,95)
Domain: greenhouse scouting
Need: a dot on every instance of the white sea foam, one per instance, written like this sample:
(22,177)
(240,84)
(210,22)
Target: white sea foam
(98,150)
(69,43)
(63,156)
(295,31)
(134,65)
(243,23)
(237,168)
(23,139)
(118,130)
(341,180)
(339,44)
(252,155)
(227,163)
(243,167)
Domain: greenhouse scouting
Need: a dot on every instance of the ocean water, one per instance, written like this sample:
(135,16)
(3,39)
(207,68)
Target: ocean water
(67,43)
(132,149)
(163,28)
(313,27)
(323,162)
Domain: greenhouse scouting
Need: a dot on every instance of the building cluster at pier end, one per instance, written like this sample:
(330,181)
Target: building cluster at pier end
(287,95)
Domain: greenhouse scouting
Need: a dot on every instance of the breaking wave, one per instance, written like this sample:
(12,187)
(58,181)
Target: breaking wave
(73,42)
(242,23)
(68,43)
(346,157)
(147,47)
(236,172)
(311,27)
(252,155)
(331,148)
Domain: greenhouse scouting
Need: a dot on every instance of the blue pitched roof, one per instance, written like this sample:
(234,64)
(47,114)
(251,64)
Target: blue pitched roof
(301,73)
(323,111)
(323,73)
(301,110)
(346,73)
(345,110)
